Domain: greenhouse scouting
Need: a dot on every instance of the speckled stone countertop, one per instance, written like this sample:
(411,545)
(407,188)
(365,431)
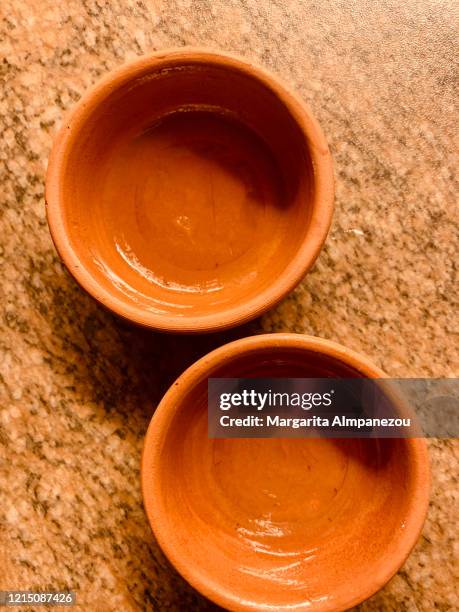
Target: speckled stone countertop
(78,386)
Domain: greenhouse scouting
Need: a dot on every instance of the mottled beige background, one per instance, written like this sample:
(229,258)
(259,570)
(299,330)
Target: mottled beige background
(78,386)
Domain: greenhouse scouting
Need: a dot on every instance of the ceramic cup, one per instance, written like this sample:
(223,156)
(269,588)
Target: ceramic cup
(189,191)
(280,524)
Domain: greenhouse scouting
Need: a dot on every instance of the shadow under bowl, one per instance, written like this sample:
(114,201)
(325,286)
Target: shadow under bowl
(189,191)
(280,524)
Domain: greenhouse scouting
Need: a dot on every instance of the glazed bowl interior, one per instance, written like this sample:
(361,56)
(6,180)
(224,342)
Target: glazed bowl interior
(304,524)
(185,187)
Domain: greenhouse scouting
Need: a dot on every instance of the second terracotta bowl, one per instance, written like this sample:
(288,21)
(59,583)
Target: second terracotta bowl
(280,524)
(189,191)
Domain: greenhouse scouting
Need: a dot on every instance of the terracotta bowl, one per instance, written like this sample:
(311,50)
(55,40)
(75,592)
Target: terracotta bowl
(280,524)
(189,191)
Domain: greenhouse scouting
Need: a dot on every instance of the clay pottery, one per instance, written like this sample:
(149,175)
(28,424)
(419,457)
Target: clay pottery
(280,524)
(189,191)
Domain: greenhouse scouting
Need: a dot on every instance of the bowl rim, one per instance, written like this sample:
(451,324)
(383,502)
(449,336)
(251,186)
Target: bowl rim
(151,479)
(322,201)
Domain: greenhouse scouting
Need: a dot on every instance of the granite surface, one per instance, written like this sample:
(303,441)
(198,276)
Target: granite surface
(78,386)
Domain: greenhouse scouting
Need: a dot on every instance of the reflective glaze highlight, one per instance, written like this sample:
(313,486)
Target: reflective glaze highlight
(279,524)
(189,191)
